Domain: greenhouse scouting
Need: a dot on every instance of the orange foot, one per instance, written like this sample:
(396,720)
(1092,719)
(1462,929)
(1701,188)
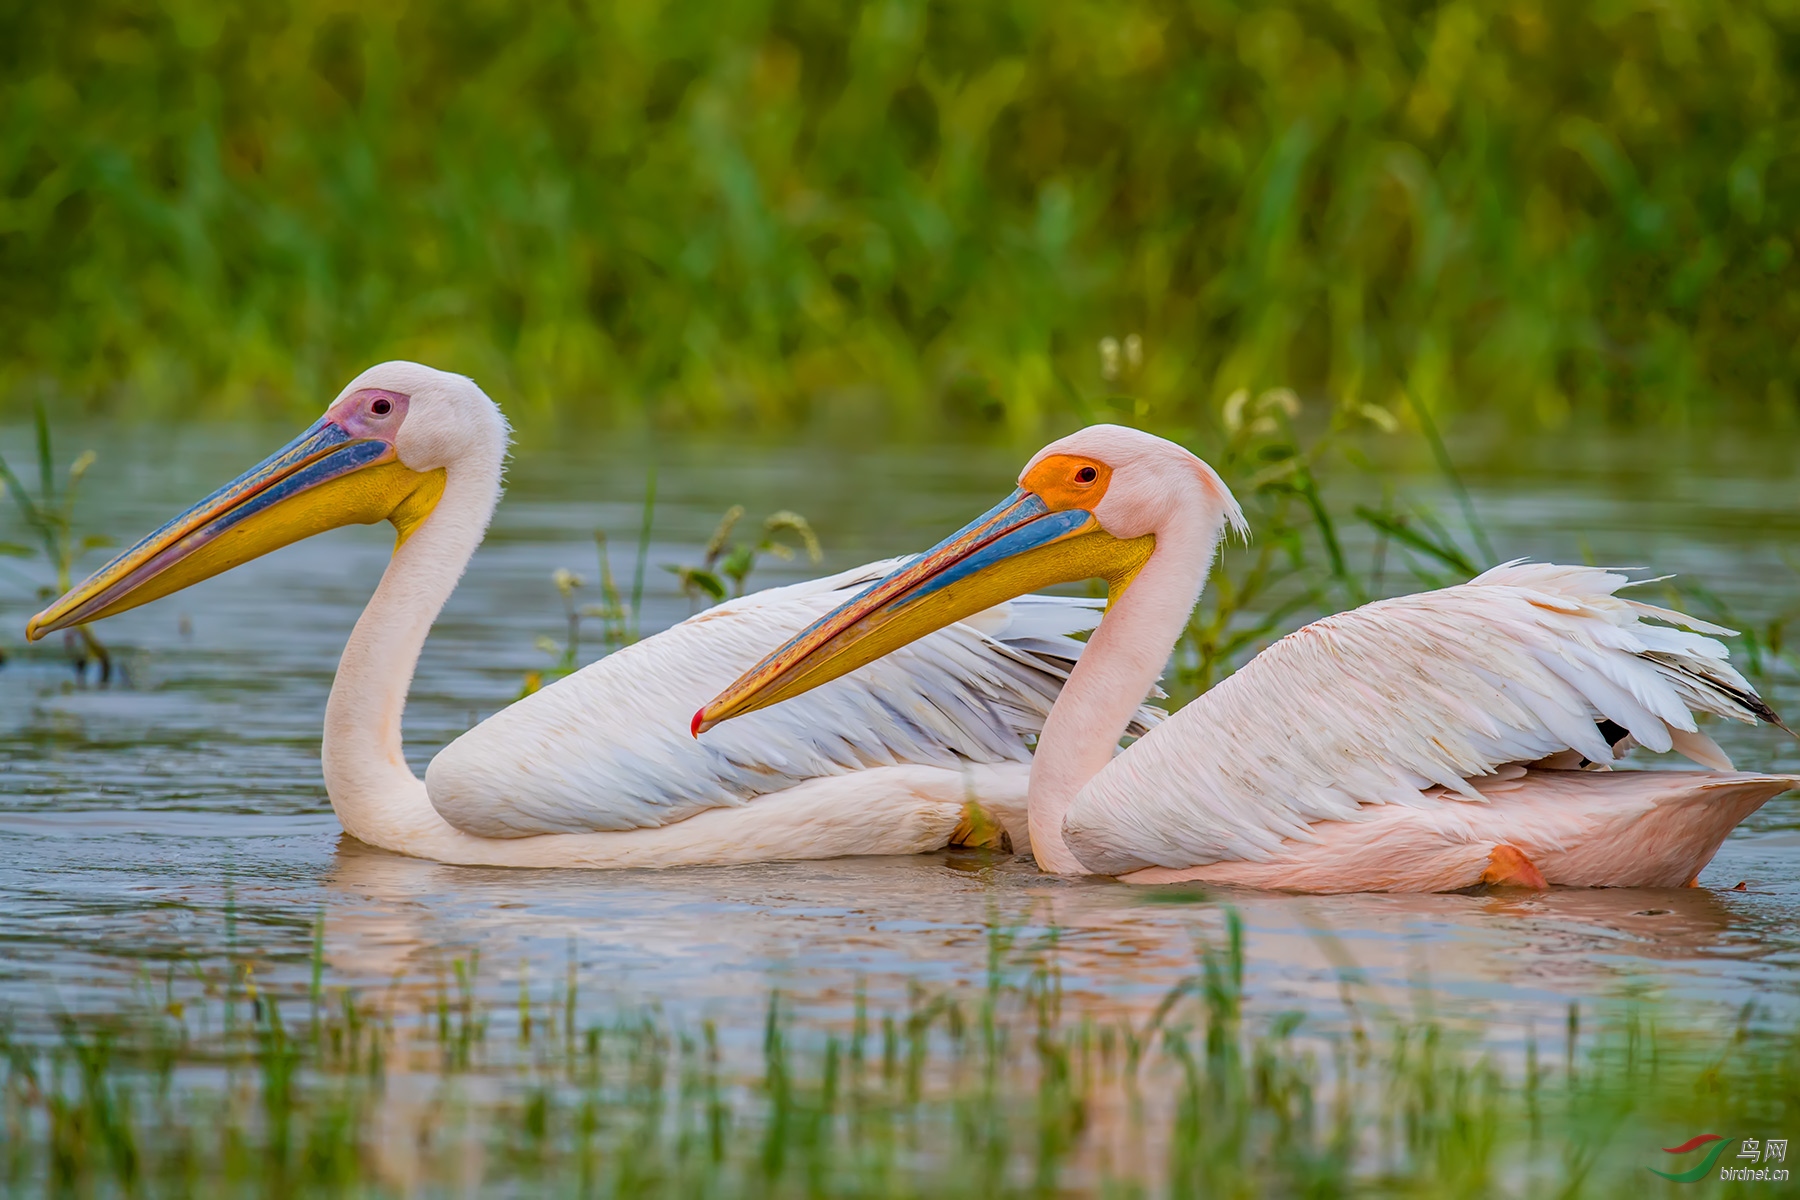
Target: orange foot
(979,828)
(1508,867)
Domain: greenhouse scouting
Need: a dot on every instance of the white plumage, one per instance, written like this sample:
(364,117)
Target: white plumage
(608,748)
(1408,701)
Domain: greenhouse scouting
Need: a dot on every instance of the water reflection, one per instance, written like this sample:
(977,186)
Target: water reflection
(704,941)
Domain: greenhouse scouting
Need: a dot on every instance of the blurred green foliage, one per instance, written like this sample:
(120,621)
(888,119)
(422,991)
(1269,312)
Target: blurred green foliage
(934,210)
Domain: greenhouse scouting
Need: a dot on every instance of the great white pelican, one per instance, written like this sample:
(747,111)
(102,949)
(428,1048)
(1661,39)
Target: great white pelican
(598,769)
(1425,743)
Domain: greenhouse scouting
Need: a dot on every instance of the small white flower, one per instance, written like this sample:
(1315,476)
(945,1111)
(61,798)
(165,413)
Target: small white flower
(1233,412)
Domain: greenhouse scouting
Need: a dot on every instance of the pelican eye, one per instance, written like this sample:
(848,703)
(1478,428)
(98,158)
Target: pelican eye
(382,407)
(1086,475)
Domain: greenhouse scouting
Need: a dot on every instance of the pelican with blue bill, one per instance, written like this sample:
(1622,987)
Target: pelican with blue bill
(343,470)
(1045,533)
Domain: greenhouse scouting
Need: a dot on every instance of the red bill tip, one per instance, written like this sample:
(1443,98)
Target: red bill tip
(695,727)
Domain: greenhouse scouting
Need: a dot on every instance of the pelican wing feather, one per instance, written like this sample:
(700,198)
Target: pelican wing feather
(609,748)
(1409,701)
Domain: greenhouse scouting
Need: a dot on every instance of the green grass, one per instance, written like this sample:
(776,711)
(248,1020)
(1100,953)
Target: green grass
(723,572)
(47,514)
(209,1085)
(900,214)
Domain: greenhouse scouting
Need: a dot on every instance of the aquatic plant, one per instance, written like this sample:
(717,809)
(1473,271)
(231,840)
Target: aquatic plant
(49,516)
(1298,485)
(761,212)
(723,571)
(213,1084)
(724,561)
(618,616)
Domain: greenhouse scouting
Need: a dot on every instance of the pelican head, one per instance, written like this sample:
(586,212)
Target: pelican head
(381,452)
(1087,506)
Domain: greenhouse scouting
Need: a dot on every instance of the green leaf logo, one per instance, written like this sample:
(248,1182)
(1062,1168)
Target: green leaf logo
(1706,1164)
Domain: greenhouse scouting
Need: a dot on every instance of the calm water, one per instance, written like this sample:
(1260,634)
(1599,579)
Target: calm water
(129,815)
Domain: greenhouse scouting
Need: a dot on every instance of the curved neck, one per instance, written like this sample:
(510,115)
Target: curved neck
(1122,662)
(375,794)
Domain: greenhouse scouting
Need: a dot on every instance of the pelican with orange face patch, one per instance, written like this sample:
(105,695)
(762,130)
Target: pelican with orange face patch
(1044,533)
(1065,481)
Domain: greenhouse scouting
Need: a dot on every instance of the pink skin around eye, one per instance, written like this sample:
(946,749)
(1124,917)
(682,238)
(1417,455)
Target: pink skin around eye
(356,414)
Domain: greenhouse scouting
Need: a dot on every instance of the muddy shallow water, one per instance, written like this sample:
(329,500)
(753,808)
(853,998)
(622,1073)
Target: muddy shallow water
(180,814)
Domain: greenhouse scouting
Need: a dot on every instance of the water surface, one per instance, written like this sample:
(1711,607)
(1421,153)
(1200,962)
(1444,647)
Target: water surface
(180,815)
